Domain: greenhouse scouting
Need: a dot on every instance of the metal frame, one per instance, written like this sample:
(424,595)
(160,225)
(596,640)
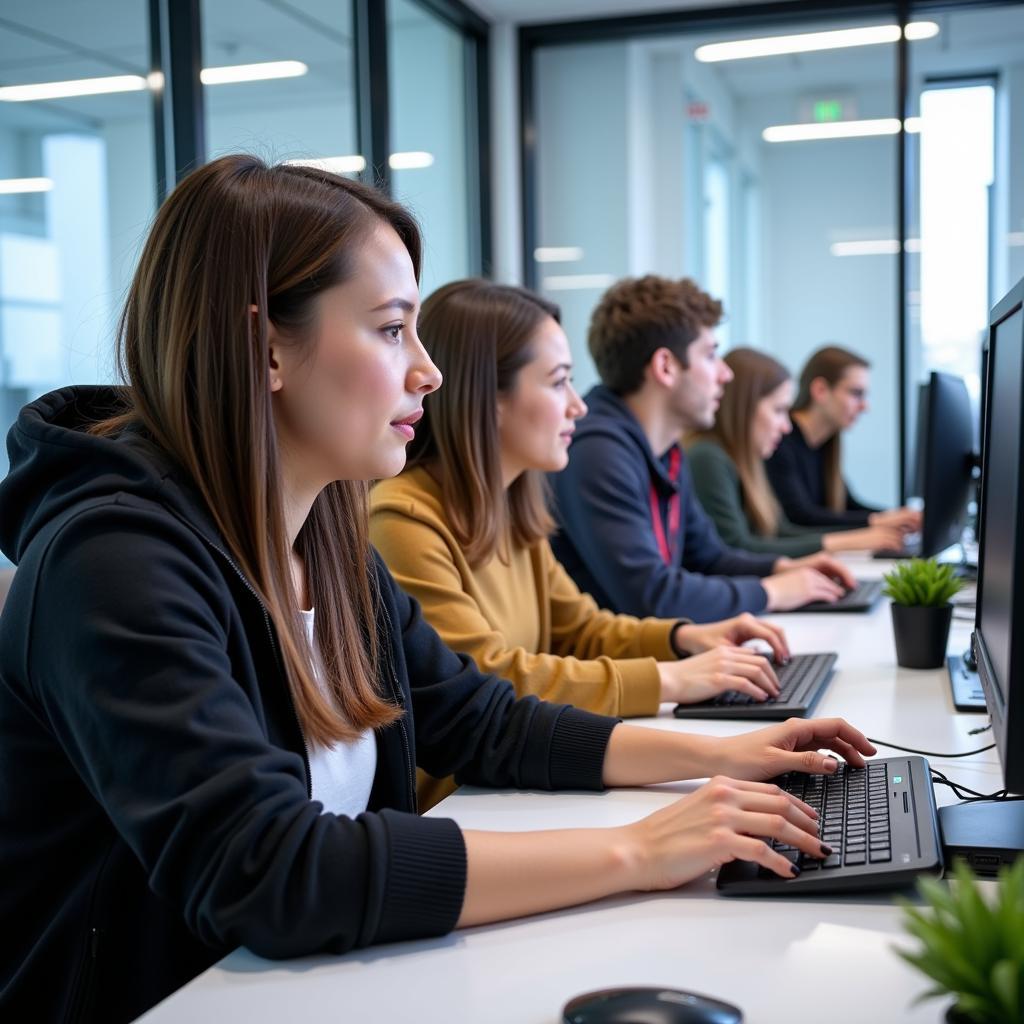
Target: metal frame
(180,120)
(902,224)
(373,108)
(534,36)
(179,124)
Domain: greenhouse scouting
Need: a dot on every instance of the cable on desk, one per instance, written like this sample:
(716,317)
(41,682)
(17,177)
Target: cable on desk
(929,753)
(973,796)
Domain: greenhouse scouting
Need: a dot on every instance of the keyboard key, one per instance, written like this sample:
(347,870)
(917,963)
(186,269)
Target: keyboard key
(880,856)
(854,857)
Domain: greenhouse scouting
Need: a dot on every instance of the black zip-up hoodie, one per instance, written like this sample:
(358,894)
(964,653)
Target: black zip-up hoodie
(155,807)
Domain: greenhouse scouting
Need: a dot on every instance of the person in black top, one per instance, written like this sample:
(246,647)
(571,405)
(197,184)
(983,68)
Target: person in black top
(213,696)
(806,470)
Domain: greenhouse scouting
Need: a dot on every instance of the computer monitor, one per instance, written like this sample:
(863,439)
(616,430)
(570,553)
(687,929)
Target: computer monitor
(945,461)
(999,618)
(991,833)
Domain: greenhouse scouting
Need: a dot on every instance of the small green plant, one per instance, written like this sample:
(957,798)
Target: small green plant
(972,948)
(922,581)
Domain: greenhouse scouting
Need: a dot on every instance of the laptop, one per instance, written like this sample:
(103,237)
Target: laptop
(880,821)
(862,599)
(802,680)
(964,683)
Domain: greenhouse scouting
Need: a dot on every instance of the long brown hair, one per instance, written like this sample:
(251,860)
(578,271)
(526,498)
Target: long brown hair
(755,376)
(478,335)
(829,363)
(238,234)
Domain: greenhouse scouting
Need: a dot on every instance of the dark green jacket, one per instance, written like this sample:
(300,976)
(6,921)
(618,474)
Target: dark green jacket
(718,488)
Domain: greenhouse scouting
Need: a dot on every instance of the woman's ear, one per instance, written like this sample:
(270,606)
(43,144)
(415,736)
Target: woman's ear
(819,390)
(274,377)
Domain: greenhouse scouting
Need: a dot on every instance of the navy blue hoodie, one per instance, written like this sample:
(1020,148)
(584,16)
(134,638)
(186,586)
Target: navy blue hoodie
(606,538)
(155,808)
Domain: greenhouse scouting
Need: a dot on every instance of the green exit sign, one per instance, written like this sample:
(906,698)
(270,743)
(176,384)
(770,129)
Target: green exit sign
(828,110)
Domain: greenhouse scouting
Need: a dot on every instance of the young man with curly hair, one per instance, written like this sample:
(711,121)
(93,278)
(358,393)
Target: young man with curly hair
(631,531)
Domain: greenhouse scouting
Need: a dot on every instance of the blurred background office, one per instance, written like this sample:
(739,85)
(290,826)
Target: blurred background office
(829,177)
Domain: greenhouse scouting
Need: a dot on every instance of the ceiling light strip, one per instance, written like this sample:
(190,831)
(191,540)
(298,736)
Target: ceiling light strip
(807,42)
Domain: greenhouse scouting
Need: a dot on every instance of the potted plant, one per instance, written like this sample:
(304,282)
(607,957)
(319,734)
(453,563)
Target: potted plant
(972,948)
(921,590)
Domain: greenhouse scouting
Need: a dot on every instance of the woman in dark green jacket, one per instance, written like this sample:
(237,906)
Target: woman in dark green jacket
(727,465)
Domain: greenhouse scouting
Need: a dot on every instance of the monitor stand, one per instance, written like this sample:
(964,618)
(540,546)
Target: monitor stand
(987,834)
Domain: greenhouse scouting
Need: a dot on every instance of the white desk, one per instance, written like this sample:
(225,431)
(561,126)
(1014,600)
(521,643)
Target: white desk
(780,960)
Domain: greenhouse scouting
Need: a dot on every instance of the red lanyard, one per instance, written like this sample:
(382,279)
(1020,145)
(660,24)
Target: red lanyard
(666,544)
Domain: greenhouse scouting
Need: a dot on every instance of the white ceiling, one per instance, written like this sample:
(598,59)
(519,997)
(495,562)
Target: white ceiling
(525,11)
(43,40)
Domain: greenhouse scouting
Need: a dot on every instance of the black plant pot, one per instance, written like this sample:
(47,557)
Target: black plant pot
(921,634)
(955,1016)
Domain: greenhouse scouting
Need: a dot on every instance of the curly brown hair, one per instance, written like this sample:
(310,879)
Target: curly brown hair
(639,315)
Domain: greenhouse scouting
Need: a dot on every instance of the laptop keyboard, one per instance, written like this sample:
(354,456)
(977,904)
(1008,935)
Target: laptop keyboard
(853,806)
(800,670)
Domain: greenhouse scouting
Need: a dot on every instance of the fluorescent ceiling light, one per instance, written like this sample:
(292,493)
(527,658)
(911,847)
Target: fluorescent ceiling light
(136,83)
(253,72)
(17,186)
(812,131)
(805,42)
(74,87)
(335,164)
(411,161)
(571,282)
(557,254)
(873,247)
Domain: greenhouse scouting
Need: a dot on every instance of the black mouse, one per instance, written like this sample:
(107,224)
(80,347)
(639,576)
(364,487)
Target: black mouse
(970,662)
(648,1006)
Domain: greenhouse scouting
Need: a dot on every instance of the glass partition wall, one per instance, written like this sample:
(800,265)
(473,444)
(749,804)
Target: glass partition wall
(89,122)
(77,188)
(762,158)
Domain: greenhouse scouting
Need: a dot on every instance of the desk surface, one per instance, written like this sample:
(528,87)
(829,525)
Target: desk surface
(779,960)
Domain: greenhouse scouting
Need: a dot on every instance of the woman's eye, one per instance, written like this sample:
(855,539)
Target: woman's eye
(395,331)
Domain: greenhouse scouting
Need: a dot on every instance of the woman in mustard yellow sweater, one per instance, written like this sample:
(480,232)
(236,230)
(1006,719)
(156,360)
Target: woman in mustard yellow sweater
(464,529)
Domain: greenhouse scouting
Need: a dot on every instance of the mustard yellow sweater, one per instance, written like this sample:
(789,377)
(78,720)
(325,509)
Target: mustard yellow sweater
(524,620)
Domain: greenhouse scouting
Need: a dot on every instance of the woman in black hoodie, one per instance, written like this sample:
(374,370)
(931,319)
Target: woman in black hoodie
(212,695)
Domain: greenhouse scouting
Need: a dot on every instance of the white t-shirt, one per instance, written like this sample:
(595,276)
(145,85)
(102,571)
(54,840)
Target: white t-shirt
(342,775)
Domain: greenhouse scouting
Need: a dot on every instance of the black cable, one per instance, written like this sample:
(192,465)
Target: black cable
(959,789)
(929,753)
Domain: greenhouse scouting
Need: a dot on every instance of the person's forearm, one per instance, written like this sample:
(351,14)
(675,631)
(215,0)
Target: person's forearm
(637,756)
(512,874)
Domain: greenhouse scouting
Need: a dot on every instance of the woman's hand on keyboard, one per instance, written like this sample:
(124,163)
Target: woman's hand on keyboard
(719,670)
(724,820)
(694,639)
(791,746)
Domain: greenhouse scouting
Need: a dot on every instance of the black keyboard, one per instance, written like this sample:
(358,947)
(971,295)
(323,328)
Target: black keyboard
(801,681)
(880,822)
(861,599)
